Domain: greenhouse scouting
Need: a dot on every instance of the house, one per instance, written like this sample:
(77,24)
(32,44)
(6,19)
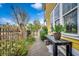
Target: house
(66,14)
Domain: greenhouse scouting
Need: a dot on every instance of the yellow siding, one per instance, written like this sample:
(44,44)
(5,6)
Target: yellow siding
(48,8)
(75,42)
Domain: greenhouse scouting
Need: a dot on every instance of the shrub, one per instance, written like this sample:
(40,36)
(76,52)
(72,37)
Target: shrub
(43,33)
(15,47)
(30,39)
(21,48)
(28,32)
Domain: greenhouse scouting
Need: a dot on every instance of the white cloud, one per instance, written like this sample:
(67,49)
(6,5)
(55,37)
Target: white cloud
(6,20)
(0,5)
(41,14)
(41,20)
(41,17)
(37,6)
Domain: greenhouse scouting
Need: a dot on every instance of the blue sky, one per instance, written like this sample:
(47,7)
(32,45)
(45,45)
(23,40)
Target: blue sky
(34,11)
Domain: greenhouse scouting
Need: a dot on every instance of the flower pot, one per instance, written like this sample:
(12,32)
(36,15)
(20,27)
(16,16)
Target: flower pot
(57,35)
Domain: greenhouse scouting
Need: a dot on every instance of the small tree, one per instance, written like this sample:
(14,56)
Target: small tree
(37,25)
(31,27)
(21,17)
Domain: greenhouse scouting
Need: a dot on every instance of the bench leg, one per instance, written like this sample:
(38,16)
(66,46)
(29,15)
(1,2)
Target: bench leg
(55,50)
(69,50)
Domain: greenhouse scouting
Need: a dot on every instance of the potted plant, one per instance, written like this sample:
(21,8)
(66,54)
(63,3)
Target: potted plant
(57,31)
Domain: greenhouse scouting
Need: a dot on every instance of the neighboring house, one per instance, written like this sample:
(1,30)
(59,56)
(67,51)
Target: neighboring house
(66,14)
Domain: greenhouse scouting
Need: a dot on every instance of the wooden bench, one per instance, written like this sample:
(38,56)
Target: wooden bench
(60,42)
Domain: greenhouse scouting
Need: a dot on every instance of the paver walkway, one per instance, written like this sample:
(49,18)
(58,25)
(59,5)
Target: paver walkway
(38,48)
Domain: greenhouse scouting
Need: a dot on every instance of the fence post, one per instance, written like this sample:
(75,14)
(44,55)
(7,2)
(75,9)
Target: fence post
(0,33)
(3,33)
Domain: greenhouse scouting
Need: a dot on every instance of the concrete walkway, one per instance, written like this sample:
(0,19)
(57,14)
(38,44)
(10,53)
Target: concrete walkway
(38,48)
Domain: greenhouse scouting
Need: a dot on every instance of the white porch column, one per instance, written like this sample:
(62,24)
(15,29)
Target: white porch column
(61,14)
(53,18)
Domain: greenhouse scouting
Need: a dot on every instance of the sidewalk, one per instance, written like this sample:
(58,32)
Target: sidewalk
(38,48)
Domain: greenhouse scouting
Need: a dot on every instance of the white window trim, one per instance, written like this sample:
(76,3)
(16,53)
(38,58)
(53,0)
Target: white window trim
(76,7)
(61,15)
(70,35)
(70,11)
(78,18)
(59,11)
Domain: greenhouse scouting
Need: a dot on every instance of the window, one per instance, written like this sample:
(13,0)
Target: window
(68,6)
(57,22)
(56,12)
(70,21)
